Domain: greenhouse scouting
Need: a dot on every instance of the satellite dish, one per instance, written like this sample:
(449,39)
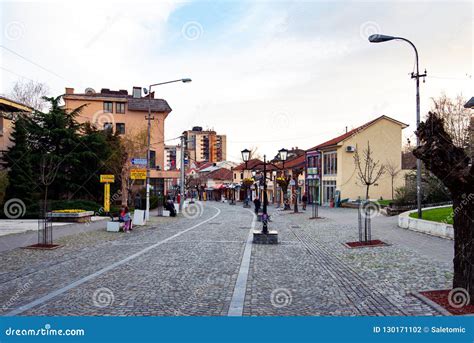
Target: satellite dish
(89,91)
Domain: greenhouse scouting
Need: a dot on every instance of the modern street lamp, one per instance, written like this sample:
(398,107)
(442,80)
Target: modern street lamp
(378,38)
(283,154)
(148,160)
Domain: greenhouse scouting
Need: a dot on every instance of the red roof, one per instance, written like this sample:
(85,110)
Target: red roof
(220,174)
(250,164)
(348,134)
(296,162)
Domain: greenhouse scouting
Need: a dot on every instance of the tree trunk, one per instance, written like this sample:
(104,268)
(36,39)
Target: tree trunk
(463,244)
(367,192)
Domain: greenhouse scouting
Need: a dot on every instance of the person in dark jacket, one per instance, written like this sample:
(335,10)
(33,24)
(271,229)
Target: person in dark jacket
(257,204)
(305,200)
(169,206)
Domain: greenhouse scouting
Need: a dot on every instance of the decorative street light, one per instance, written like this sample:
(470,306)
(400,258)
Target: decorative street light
(283,154)
(377,38)
(148,160)
(245,156)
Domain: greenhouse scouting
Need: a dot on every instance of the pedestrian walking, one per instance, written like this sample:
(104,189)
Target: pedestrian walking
(257,204)
(138,201)
(305,201)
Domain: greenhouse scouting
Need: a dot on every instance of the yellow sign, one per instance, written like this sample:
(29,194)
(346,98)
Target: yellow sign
(107,178)
(107,197)
(138,174)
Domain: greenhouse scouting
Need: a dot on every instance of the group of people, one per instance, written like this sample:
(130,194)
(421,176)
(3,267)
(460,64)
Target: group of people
(257,203)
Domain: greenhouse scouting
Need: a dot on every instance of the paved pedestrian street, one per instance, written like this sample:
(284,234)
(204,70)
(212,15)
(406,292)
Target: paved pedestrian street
(205,264)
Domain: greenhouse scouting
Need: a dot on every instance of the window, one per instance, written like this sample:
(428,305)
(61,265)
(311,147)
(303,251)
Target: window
(120,128)
(330,163)
(152,159)
(108,127)
(242,176)
(235,176)
(119,107)
(108,106)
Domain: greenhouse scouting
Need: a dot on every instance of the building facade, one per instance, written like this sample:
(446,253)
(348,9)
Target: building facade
(8,110)
(205,145)
(126,114)
(332,167)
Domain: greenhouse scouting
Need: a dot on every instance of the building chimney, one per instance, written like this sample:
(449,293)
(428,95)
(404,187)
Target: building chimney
(346,129)
(69,90)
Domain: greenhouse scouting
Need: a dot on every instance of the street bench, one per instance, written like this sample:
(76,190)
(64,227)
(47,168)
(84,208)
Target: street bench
(114,225)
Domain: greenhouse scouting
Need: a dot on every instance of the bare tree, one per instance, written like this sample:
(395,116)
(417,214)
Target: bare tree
(30,93)
(369,171)
(49,167)
(134,145)
(456,118)
(392,170)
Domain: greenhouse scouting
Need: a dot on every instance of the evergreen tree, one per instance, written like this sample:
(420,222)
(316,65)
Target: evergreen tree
(22,182)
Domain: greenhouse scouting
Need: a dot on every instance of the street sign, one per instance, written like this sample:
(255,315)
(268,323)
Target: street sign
(107,178)
(139,161)
(138,174)
(107,197)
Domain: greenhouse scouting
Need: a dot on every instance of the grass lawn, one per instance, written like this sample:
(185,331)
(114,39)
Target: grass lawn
(384,202)
(442,214)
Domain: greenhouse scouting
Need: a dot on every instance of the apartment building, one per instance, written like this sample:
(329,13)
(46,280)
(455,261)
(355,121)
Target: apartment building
(205,145)
(127,114)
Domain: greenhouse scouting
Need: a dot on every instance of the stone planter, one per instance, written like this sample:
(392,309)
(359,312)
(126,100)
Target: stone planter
(425,226)
(80,217)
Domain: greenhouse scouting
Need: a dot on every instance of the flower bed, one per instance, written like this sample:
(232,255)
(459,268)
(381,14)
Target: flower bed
(74,215)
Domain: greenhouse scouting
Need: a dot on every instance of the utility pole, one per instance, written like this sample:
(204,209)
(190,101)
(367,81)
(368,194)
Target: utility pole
(378,38)
(148,160)
(182,175)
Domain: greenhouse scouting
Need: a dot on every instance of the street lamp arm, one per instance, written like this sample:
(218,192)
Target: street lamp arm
(414,48)
(164,83)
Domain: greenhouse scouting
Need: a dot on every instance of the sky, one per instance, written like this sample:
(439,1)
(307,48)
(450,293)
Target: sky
(268,74)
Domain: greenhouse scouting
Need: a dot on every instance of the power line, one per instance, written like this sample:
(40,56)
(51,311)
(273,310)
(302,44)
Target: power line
(12,72)
(30,61)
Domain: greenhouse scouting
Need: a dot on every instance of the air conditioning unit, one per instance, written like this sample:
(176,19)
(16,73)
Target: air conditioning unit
(350,148)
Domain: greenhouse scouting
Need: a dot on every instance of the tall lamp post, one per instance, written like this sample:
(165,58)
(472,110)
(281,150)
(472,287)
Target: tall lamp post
(148,160)
(378,38)
(283,154)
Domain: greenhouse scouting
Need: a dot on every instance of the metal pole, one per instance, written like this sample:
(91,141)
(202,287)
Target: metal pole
(265,215)
(182,176)
(148,161)
(418,161)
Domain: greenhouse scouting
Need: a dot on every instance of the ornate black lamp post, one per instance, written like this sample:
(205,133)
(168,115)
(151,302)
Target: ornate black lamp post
(265,236)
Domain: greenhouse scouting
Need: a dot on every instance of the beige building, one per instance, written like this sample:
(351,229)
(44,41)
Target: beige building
(332,168)
(205,145)
(8,110)
(126,114)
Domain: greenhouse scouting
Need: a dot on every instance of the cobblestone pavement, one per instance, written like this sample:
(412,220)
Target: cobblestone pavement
(189,266)
(312,273)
